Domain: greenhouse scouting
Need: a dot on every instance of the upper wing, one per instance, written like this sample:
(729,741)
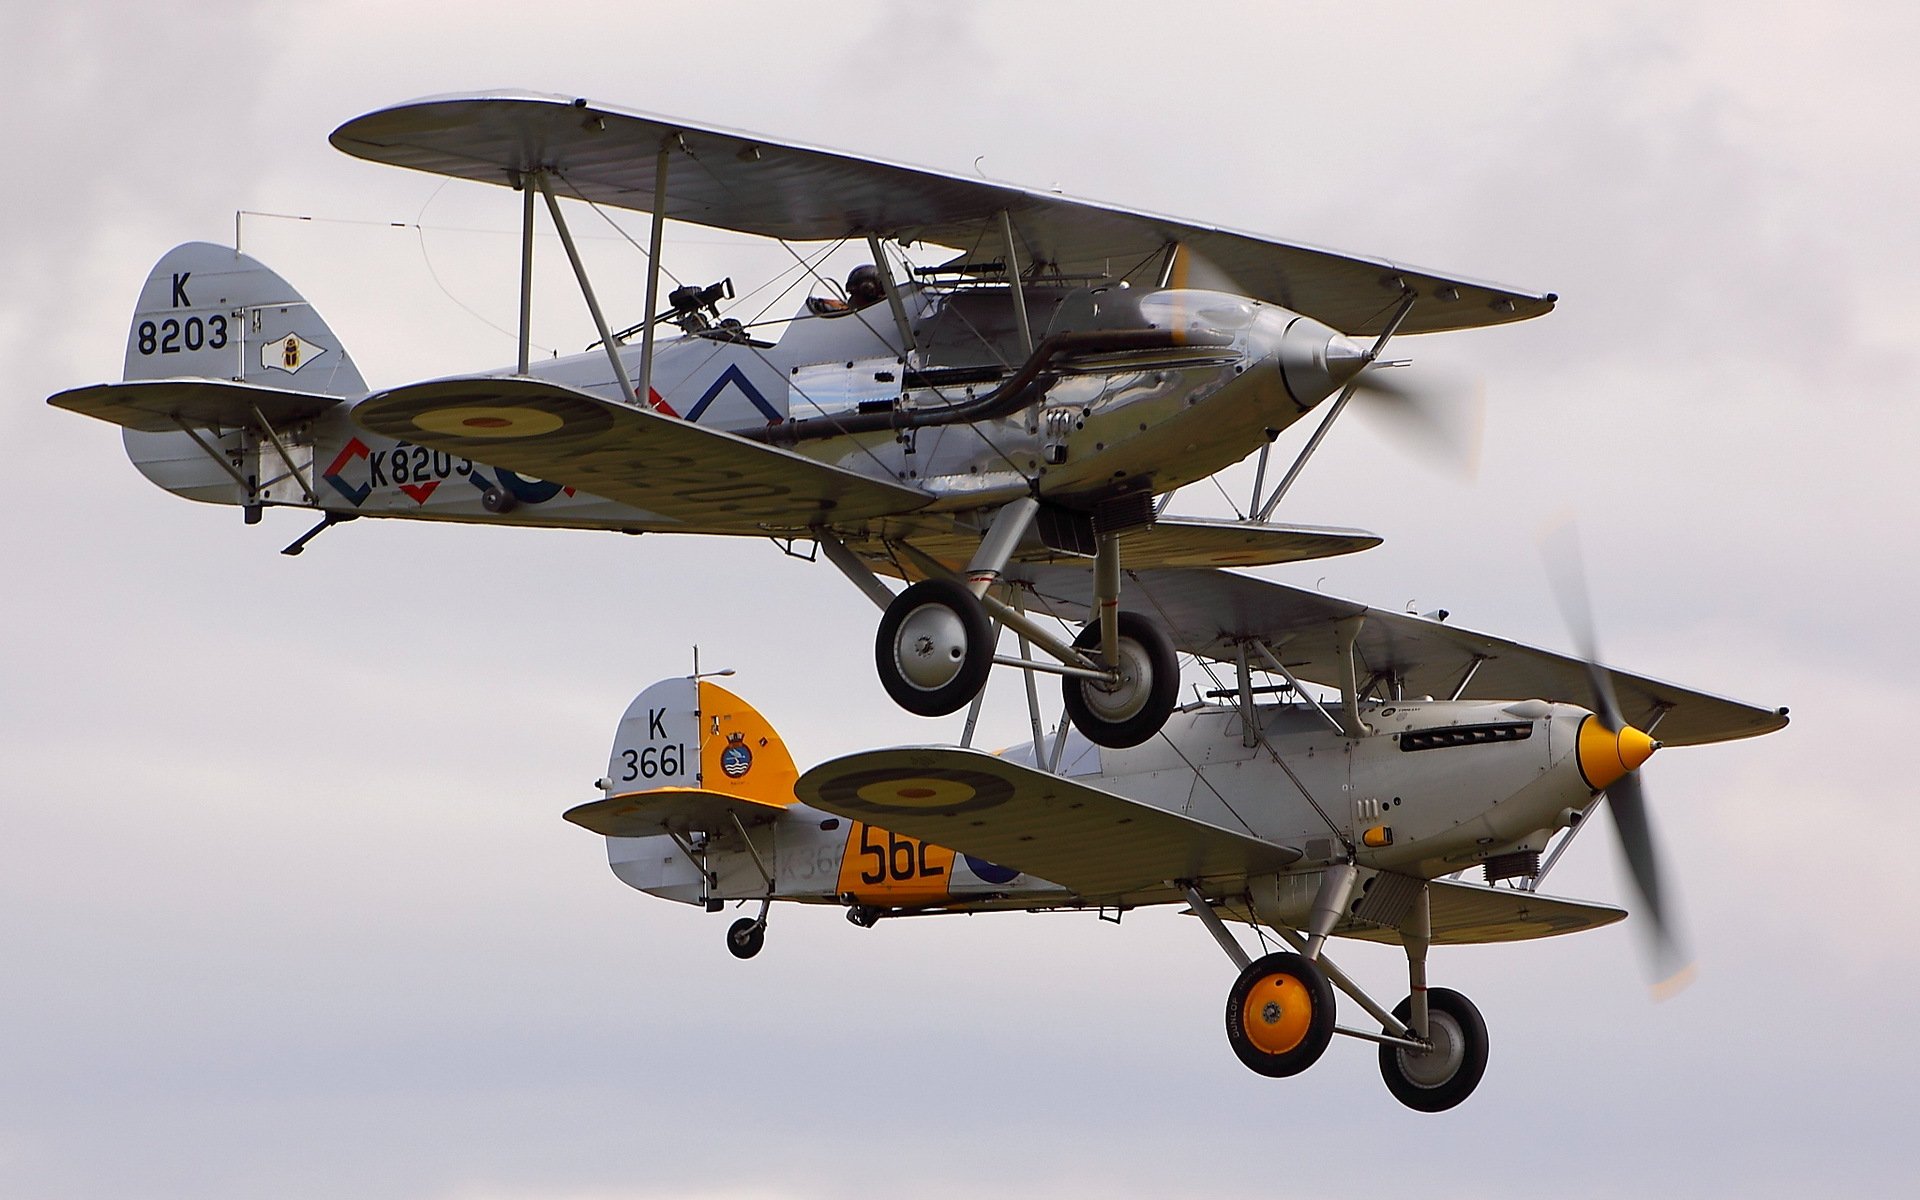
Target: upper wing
(704,480)
(1094,843)
(1208,612)
(741,181)
(670,810)
(151,405)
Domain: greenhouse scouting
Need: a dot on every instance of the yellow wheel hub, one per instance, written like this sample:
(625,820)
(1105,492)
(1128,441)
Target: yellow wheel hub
(1276,1014)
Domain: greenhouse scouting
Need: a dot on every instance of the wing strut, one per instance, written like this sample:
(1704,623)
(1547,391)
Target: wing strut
(526,274)
(654,239)
(1407,297)
(900,322)
(1203,909)
(541,180)
(1473,668)
(1273,660)
(857,572)
(1013,277)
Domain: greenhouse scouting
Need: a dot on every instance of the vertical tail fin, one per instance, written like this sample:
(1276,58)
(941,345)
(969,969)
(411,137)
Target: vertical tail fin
(211,312)
(685,733)
(228,370)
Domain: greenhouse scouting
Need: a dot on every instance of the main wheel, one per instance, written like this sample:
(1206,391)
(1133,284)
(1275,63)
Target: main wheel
(1131,711)
(1437,1079)
(745,937)
(1280,1015)
(934,648)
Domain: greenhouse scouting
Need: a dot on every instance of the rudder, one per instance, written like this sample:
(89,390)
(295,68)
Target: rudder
(695,734)
(211,312)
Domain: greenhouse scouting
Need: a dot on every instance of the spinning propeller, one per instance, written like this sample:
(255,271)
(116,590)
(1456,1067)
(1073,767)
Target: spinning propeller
(1617,743)
(1433,415)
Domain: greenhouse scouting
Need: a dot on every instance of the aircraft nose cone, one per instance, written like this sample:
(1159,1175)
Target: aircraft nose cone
(1315,360)
(1605,757)
(1345,357)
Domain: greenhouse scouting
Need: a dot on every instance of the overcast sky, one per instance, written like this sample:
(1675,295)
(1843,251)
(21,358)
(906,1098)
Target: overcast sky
(286,905)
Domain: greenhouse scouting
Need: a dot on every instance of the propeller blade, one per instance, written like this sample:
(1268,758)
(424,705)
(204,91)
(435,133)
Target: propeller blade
(1191,269)
(1626,800)
(1672,967)
(1434,417)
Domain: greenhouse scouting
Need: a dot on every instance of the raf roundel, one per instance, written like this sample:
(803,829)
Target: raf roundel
(500,421)
(990,872)
(939,790)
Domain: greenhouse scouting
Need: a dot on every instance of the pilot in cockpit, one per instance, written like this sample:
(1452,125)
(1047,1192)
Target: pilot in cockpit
(864,288)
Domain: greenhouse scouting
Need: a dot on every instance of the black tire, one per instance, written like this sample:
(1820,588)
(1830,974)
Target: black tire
(934,648)
(1428,1084)
(1280,1015)
(498,500)
(745,937)
(1134,711)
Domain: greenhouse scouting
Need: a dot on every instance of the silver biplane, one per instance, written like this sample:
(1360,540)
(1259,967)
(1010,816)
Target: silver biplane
(999,430)
(1259,804)
(1032,398)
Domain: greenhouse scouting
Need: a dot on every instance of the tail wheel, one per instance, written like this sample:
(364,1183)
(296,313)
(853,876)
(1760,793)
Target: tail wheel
(1280,1015)
(934,648)
(1435,1080)
(745,937)
(1133,709)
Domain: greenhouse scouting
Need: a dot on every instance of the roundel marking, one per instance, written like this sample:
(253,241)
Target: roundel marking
(906,795)
(492,422)
(526,488)
(990,872)
(946,792)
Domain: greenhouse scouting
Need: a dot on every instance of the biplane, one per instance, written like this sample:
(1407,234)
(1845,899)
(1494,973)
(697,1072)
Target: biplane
(1258,804)
(999,429)
(1032,396)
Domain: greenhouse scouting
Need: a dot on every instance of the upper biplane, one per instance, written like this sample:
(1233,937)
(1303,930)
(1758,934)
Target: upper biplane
(1030,398)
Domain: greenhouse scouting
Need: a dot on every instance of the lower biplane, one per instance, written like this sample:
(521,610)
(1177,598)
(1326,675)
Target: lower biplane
(1263,803)
(1032,397)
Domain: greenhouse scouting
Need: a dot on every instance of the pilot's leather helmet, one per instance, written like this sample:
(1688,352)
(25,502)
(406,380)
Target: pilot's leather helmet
(864,286)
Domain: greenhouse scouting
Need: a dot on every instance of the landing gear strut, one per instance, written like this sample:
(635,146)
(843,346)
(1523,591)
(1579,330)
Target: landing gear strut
(746,936)
(1280,1012)
(936,643)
